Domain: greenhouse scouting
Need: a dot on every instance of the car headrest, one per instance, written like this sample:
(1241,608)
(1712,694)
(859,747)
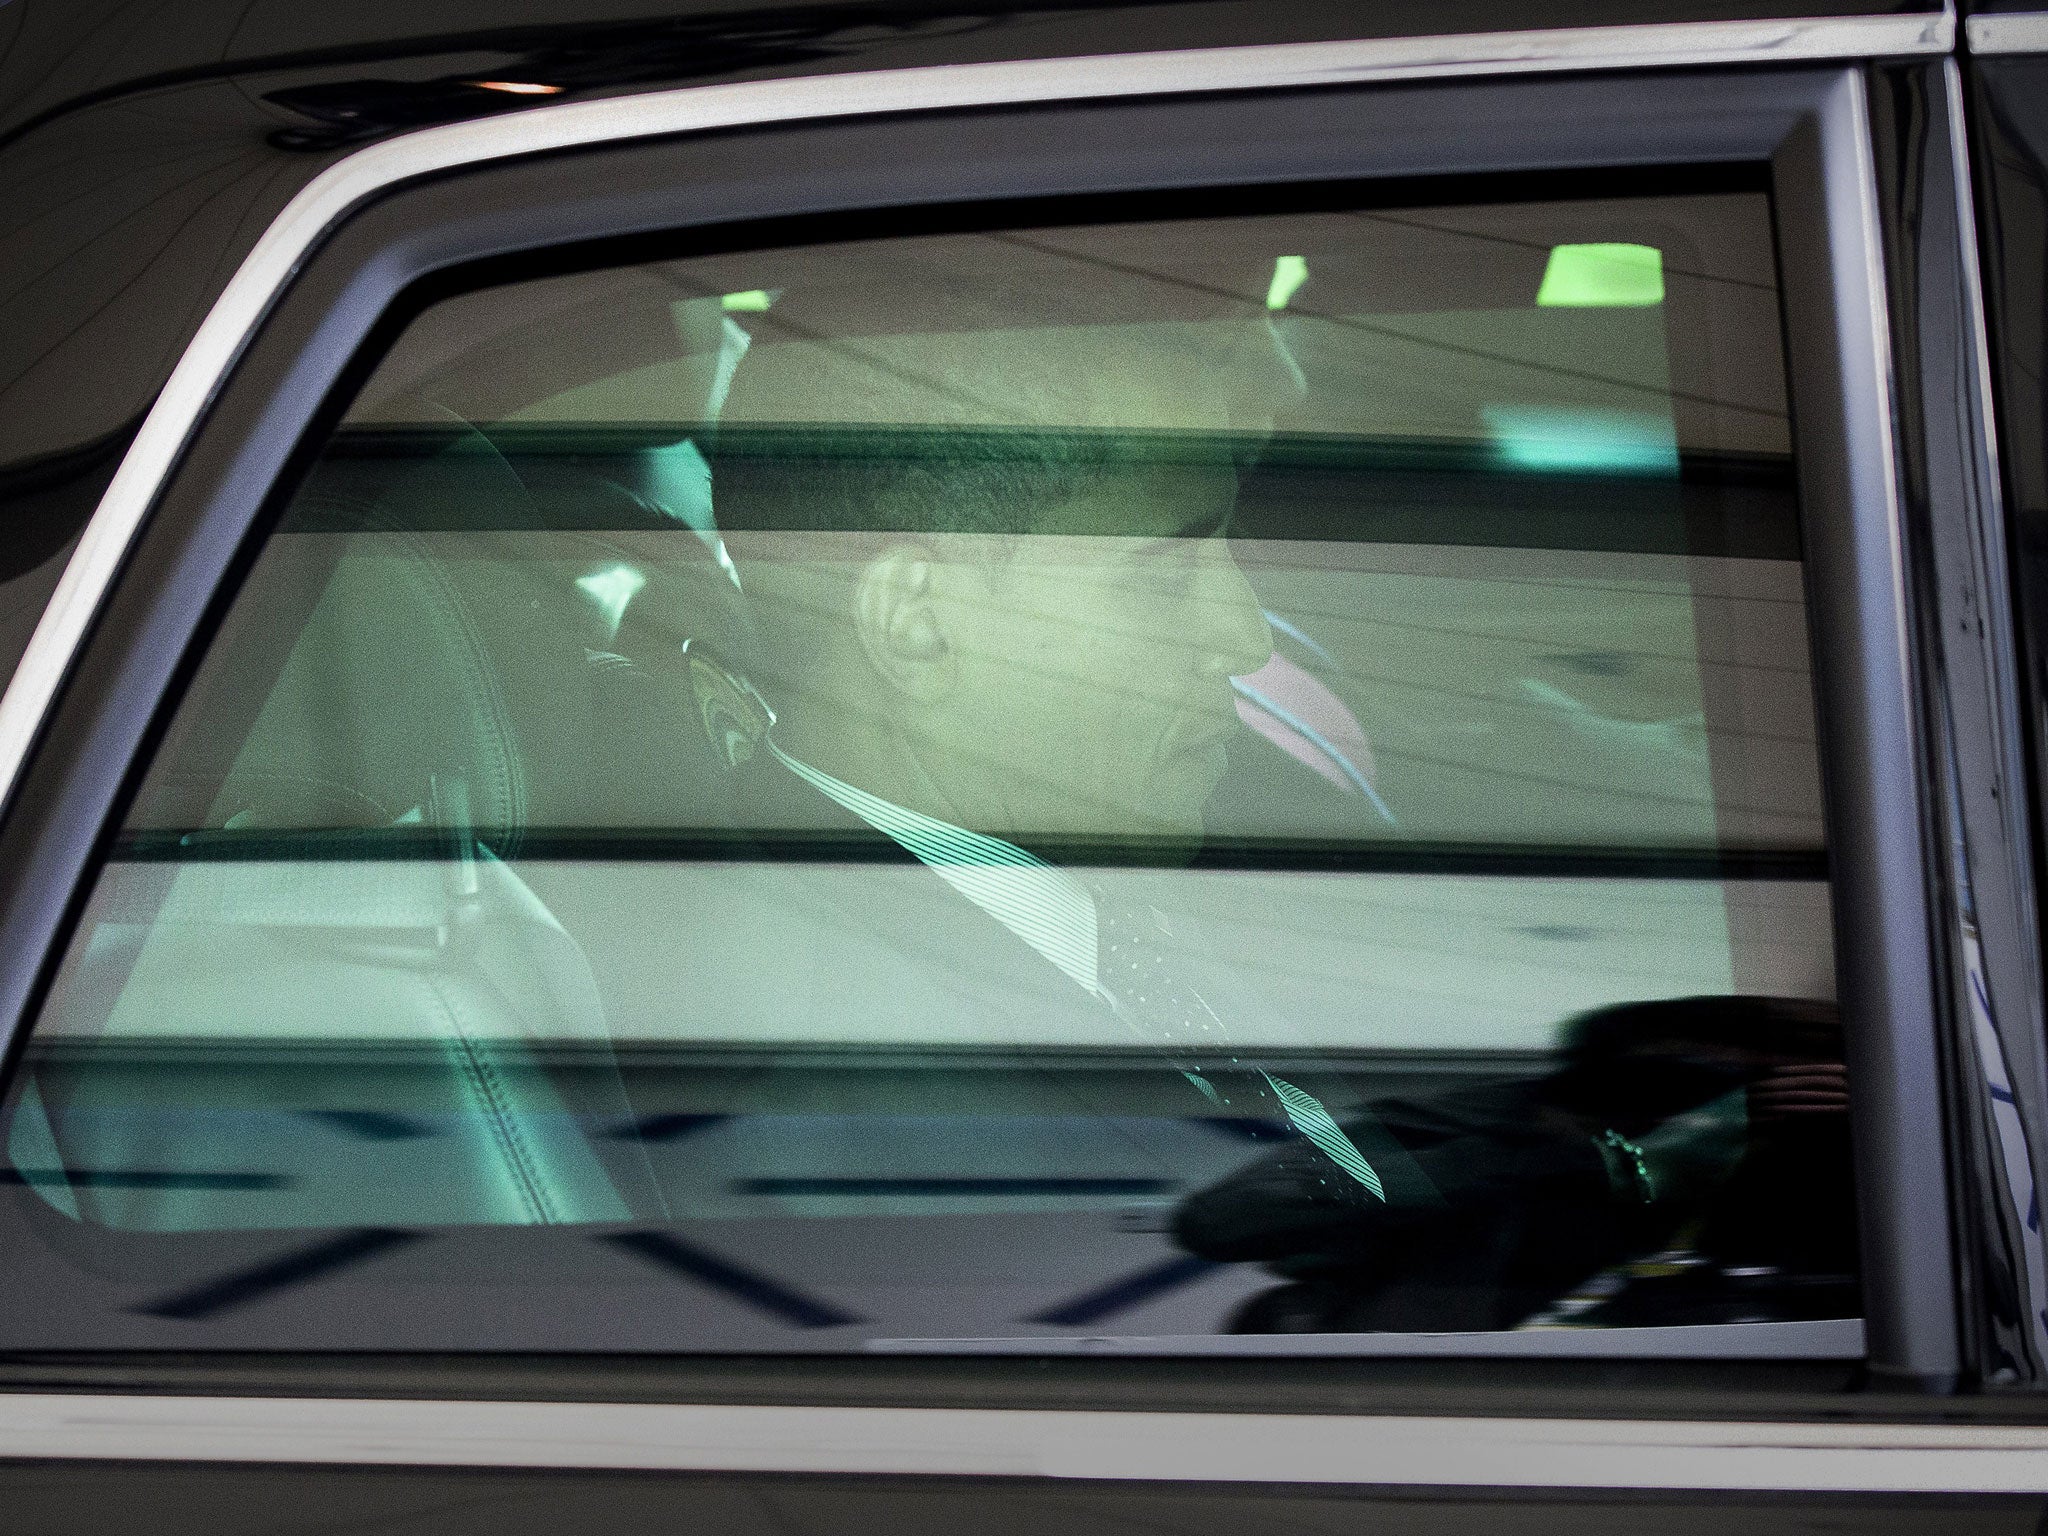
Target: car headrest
(441,670)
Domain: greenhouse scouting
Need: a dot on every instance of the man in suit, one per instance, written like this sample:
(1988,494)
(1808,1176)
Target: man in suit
(990,627)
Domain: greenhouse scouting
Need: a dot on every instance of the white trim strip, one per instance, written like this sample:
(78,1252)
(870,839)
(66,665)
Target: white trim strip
(2006,34)
(276,255)
(1839,1338)
(1168,1447)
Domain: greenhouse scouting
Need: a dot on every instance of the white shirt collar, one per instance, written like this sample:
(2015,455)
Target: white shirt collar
(1044,906)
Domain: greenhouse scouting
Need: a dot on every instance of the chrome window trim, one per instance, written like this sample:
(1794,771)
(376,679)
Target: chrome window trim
(329,197)
(2007,34)
(1851,498)
(1835,1338)
(1331,1449)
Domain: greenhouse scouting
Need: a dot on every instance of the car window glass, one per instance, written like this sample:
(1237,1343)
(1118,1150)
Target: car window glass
(1189,778)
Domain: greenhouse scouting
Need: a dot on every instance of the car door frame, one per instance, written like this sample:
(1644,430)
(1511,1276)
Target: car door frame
(180,523)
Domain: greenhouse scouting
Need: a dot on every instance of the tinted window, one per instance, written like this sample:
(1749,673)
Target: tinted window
(1225,776)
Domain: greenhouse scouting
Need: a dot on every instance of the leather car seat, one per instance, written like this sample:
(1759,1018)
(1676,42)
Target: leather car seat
(339,1005)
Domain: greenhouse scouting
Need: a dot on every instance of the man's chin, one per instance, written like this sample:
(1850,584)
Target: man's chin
(1145,837)
(1170,819)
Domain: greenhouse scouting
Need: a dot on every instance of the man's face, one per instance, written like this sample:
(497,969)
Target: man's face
(1089,685)
(1072,681)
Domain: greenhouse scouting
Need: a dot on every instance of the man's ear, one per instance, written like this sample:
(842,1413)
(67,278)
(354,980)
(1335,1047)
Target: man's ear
(899,625)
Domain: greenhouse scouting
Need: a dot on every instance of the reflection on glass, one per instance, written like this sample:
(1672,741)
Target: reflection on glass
(1685,1162)
(1233,776)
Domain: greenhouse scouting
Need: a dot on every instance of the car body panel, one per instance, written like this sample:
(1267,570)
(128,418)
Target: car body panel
(289,122)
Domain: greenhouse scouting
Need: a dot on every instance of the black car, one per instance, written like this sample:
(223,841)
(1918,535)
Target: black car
(1096,767)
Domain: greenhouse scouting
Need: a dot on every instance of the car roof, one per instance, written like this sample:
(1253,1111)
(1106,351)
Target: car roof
(405,52)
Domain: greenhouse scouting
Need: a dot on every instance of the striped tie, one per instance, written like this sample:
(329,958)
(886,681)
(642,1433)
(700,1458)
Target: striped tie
(1134,972)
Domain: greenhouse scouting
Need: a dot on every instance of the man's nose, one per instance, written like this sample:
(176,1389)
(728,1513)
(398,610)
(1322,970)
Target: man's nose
(1234,637)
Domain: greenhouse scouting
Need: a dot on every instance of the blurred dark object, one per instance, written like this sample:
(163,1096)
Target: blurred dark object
(1687,1162)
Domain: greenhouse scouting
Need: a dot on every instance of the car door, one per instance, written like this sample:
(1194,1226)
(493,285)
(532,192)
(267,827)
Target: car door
(1152,790)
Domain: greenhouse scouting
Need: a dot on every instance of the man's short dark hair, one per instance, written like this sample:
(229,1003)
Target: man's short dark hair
(931,479)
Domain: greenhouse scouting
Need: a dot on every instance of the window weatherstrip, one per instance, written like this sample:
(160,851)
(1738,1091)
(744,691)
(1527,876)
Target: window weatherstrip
(2007,34)
(276,255)
(1243,1448)
(1836,1338)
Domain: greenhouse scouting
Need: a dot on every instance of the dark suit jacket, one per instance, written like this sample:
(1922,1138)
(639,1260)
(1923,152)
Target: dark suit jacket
(835,938)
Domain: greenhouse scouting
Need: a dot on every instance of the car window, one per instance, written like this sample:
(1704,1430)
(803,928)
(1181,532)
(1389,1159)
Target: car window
(1194,777)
